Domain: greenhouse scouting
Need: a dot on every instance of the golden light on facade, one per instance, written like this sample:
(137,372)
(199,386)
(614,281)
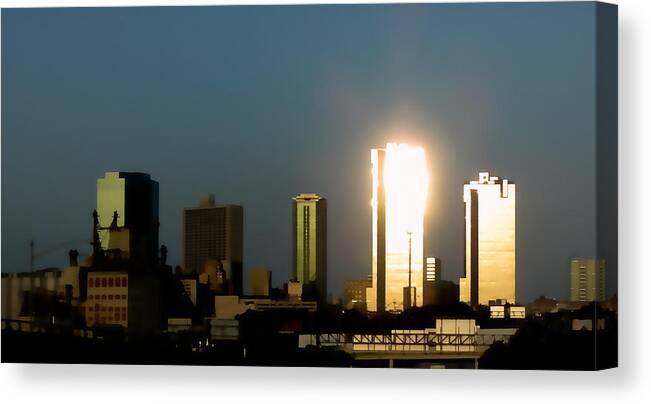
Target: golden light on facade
(490,241)
(399,196)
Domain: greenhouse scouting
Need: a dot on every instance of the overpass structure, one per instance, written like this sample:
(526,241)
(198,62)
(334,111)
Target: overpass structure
(455,343)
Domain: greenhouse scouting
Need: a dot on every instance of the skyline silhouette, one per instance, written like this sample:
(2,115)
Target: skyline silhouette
(258,104)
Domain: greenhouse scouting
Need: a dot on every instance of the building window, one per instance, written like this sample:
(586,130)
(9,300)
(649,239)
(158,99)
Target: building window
(110,282)
(110,308)
(103,282)
(117,316)
(110,297)
(124,282)
(103,297)
(124,296)
(124,316)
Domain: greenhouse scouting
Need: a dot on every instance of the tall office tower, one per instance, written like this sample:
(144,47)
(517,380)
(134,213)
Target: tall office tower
(588,280)
(214,233)
(431,279)
(399,194)
(309,244)
(490,241)
(127,211)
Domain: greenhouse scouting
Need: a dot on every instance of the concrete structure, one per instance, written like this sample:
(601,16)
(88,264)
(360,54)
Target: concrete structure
(214,275)
(432,270)
(432,282)
(178,324)
(507,311)
(399,193)
(229,307)
(587,280)
(134,231)
(214,232)
(260,282)
(450,342)
(295,291)
(518,312)
(107,302)
(15,285)
(355,293)
(113,295)
(440,293)
(490,241)
(309,245)
(224,330)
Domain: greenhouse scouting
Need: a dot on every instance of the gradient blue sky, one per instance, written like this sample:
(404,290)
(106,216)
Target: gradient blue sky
(258,104)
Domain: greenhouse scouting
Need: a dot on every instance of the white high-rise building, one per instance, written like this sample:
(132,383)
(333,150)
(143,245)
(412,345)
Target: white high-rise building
(490,241)
(399,195)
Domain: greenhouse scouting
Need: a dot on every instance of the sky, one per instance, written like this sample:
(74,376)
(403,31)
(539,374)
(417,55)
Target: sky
(258,104)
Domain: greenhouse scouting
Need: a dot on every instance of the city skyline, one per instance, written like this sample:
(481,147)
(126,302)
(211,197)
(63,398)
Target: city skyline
(427,100)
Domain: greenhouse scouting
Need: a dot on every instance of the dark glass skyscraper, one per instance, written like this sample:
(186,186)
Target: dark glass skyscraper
(134,230)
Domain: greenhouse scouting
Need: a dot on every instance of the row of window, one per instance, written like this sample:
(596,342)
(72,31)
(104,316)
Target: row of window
(111,318)
(108,282)
(104,297)
(110,308)
(104,308)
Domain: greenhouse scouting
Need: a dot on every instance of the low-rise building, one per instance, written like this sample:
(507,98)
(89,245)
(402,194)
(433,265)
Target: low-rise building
(260,282)
(355,293)
(107,300)
(15,285)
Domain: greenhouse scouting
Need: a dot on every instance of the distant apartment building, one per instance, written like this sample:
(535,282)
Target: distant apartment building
(309,245)
(355,293)
(587,280)
(490,241)
(214,232)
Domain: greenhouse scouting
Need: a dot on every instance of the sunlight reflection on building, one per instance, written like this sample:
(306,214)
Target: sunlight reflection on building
(400,183)
(490,241)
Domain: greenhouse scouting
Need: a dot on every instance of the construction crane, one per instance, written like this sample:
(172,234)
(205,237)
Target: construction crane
(33,256)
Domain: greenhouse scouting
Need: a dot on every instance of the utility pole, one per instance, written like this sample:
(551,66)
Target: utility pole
(411,303)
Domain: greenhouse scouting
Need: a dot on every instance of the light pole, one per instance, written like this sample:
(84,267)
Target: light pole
(410,303)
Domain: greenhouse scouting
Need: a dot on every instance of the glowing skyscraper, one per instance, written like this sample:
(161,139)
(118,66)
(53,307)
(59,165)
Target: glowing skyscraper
(399,196)
(490,241)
